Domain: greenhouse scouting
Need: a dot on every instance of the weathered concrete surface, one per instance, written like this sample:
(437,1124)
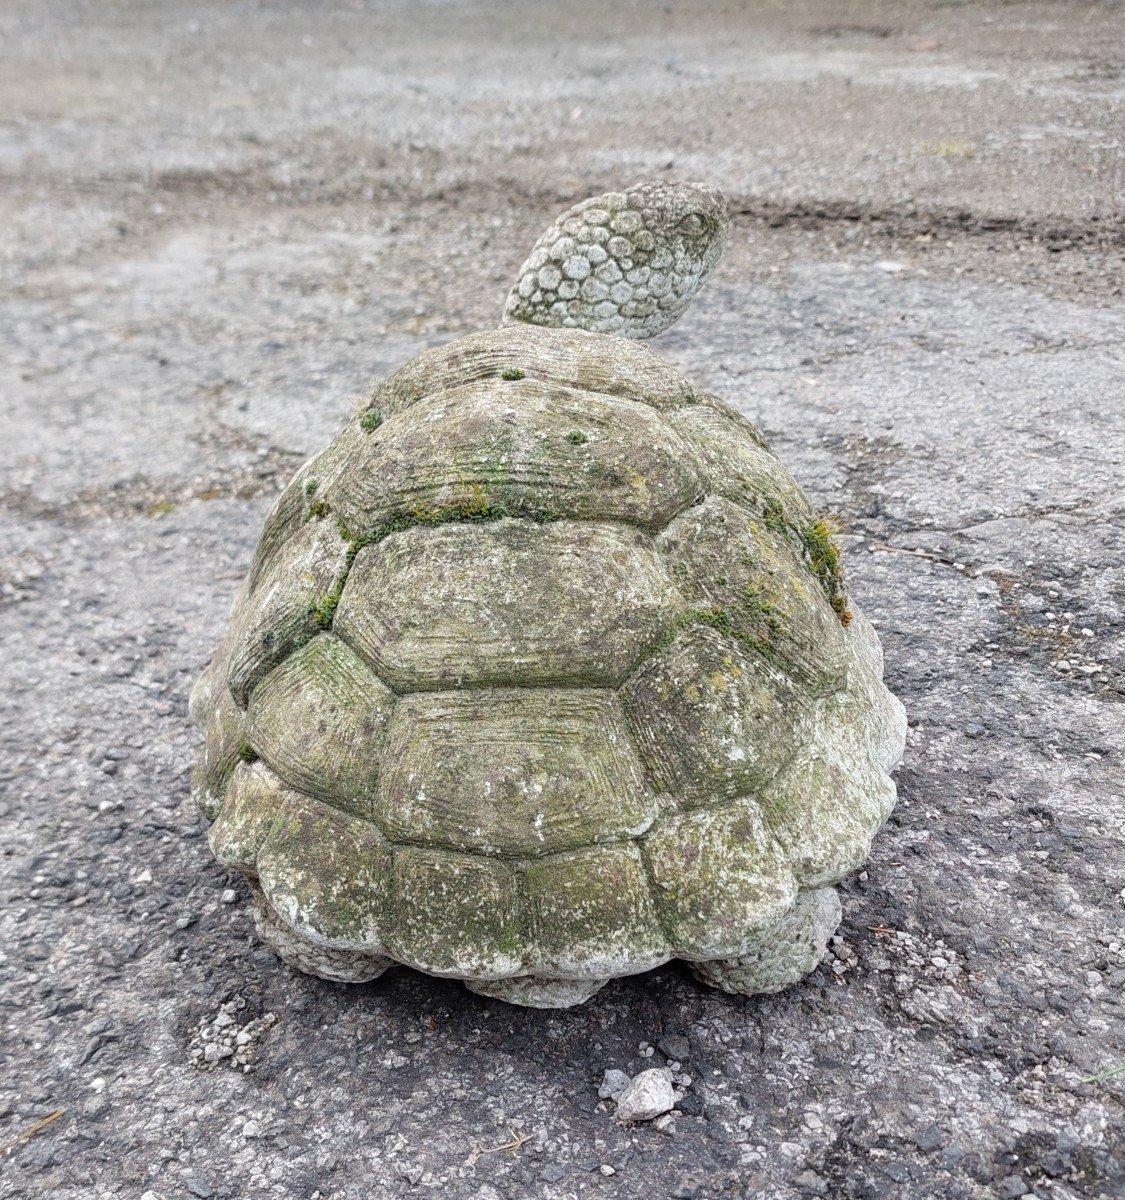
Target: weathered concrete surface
(603,749)
(221,222)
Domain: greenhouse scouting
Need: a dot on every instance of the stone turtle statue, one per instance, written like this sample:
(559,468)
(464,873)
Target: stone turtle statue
(544,672)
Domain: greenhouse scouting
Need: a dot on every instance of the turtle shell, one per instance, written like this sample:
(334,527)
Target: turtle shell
(543,674)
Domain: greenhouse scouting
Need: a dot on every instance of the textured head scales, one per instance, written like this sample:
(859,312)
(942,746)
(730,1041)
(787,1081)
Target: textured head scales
(627,263)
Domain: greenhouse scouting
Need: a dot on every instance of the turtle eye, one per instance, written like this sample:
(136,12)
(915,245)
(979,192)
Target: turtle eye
(692,225)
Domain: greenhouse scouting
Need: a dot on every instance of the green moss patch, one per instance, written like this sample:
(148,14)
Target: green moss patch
(819,552)
(512,373)
(468,504)
(773,513)
(370,420)
(752,621)
(823,558)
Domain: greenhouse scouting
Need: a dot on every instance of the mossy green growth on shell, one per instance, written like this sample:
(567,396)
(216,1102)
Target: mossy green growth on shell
(596,706)
(819,550)
(751,620)
(468,505)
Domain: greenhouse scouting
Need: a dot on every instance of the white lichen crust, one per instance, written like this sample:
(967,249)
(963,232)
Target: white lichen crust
(543,675)
(627,262)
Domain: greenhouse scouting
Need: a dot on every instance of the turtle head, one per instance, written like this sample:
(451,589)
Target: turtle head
(627,262)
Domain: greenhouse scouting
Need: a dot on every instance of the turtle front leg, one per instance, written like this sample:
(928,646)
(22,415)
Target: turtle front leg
(533,992)
(340,966)
(787,952)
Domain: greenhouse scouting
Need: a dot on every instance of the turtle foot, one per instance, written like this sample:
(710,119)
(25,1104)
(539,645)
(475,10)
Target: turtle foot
(341,966)
(785,953)
(533,992)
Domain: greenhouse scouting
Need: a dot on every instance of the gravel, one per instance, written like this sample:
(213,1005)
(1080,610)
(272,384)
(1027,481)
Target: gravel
(646,1096)
(613,1084)
(220,225)
(674,1047)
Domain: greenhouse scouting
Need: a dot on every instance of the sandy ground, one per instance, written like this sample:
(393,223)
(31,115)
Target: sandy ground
(219,223)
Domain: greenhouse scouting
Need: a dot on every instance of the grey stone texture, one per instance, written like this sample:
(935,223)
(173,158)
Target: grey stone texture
(565,711)
(221,224)
(646,1097)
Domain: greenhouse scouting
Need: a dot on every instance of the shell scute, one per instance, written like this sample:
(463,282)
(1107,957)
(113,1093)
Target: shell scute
(326,875)
(521,448)
(569,357)
(507,603)
(300,500)
(712,719)
(320,719)
(280,614)
(573,358)
(719,879)
(252,802)
(726,561)
(593,914)
(738,464)
(827,804)
(224,746)
(457,914)
(512,772)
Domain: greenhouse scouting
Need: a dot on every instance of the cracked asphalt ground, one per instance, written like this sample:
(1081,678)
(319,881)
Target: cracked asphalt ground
(220,223)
